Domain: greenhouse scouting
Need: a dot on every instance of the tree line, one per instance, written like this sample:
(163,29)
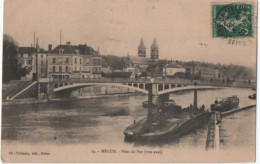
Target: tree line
(11,69)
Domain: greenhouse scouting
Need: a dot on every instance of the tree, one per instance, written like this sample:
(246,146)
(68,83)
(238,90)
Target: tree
(10,65)
(23,71)
(115,62)
(155,68)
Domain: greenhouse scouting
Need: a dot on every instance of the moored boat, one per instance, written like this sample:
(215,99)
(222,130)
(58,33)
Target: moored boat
(171,127)
(253,96)
(168,120)
(225,104)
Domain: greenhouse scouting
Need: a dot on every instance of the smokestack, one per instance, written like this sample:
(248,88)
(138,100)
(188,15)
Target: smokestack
(37,45)
(33,39)
(50,47)
(60,37)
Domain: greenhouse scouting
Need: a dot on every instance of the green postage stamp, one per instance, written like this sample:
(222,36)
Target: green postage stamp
(232,20)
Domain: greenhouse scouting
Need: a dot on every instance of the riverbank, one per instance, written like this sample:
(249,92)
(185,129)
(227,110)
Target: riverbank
(237,110)
(38,101)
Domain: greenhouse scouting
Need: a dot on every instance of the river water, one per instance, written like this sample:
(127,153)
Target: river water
(103,120)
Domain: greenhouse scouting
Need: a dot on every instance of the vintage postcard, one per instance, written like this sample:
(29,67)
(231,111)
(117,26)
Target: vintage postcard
(129,81)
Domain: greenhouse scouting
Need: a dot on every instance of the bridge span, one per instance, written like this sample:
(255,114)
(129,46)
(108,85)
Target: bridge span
(157,87)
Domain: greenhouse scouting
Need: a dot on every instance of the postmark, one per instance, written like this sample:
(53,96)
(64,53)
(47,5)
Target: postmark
(232,20)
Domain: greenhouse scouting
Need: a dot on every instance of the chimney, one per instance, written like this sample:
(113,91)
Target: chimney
(50,48)
(68,43)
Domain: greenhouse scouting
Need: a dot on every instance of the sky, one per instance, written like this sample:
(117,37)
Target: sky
(183,28)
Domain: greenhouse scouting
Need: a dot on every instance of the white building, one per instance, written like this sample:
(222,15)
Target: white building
(172,68)
(68,61)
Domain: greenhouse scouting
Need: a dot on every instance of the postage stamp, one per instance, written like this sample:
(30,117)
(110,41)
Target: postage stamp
(232,20)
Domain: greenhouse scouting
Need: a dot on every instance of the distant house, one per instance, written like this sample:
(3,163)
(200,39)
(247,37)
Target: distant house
(201,71)
(106,70)
(129,69)
(69,61)
(172,68)
(138,64)
(26,57)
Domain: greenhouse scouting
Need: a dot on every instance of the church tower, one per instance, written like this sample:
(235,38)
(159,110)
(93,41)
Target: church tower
(154,50)
(142,49)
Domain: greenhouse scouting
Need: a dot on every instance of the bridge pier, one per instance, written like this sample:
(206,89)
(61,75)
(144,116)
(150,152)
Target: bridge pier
(150,100)
(45,88)
(154,98)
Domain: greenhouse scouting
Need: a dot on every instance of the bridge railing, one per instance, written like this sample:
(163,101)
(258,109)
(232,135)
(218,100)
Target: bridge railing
(120,80)
(100,80)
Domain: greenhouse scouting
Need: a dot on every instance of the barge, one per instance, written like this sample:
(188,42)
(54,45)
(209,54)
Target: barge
(225,104)
(172,127)
(167,121)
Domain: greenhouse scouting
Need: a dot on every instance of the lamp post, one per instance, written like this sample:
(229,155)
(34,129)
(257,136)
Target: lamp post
(37,75)
(195,103)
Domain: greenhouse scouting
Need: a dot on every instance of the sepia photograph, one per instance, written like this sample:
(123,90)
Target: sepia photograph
(129,81)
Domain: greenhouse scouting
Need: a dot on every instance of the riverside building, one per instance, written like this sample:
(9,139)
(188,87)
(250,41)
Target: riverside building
(26,58)
(70,61)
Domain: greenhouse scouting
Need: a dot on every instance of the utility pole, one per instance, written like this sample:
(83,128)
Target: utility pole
(37,75)
(34,39)
(32,52)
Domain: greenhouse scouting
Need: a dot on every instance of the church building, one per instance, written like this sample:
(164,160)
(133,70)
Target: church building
(142,49)
(154,50)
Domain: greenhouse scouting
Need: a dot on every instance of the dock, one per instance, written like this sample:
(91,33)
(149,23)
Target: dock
(213,141)
(213,135)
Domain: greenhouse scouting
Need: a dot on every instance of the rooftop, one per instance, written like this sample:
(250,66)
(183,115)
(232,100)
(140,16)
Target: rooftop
(75,49)
(67,49)
(139,60)
(173,65)
(28,50)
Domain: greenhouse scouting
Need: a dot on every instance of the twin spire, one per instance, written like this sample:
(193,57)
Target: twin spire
(154,49)
(141,46)
(154,45)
